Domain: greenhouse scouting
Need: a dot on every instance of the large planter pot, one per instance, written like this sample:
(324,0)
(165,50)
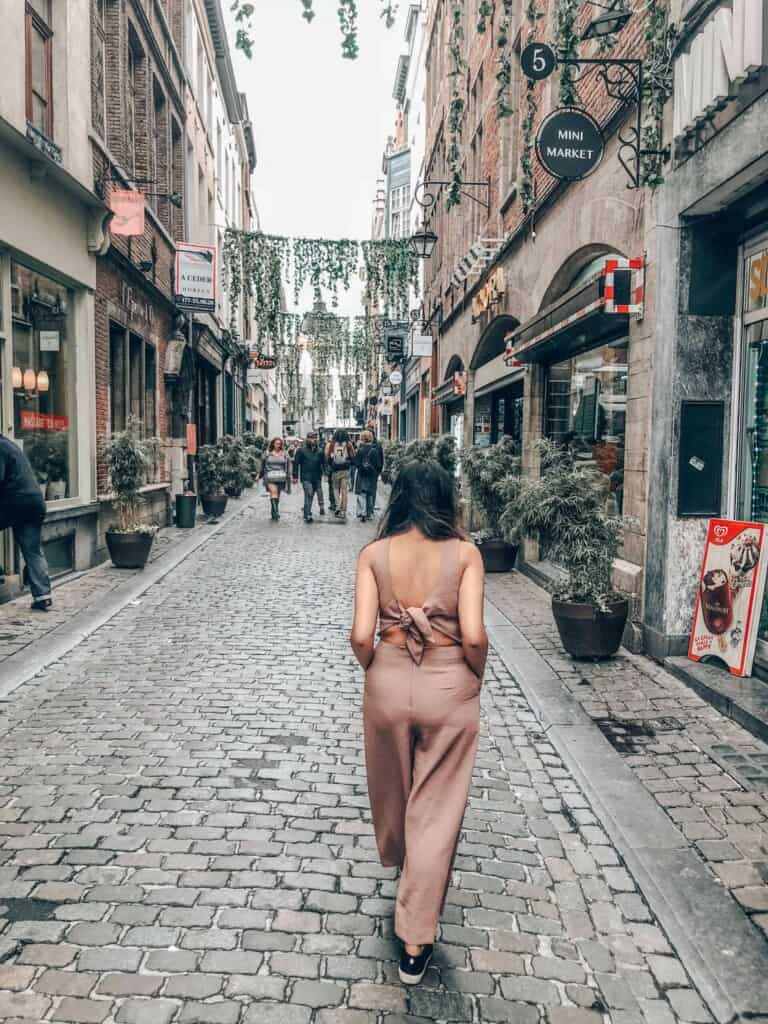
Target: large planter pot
(497,555)
(233,492)
(56,490)
(186,507)
(586,632)
(214,504)
(129,550)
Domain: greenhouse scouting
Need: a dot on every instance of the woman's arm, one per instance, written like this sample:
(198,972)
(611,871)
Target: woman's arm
(366,611)
(474,639)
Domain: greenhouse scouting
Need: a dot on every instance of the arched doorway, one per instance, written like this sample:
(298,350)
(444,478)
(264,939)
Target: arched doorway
(497,387)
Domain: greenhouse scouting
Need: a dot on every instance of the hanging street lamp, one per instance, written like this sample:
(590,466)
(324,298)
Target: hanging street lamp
(423,242)
(613,19)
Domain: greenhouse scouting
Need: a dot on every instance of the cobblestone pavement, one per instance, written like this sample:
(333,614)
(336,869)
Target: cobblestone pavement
(19,628)
(185,835)
(708,773)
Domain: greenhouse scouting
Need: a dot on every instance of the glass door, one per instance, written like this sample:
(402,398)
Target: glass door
(752,457)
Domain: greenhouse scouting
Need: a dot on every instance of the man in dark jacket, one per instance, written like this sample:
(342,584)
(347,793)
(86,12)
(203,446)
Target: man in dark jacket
(369,466)
(23,510)
(309,464)
(380,449)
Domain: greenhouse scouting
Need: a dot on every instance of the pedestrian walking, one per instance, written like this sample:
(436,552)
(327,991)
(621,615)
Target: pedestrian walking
(380,448)
(340,455)
(421,707)
(368,465)
(275,474)
(22,508)
(309,465)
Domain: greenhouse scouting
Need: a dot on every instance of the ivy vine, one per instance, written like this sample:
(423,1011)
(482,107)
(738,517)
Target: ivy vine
(457,105)
(567,40)
(527,179)
(504,60)
(658,79)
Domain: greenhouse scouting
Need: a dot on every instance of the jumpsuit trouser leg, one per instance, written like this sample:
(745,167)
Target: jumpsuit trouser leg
(421,725)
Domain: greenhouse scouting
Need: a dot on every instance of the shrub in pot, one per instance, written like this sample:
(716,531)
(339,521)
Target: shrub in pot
(493,479)
(210,479)
(567,506)
(442,449)
(232,466)
(129,456)
(57,468)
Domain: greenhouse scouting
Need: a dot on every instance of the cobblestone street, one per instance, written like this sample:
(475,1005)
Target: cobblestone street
(185,834)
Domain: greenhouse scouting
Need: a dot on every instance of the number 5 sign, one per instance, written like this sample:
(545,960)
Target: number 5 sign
(538,61)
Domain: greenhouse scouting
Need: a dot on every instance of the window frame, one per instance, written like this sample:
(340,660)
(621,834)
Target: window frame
(126,339)
(33,20)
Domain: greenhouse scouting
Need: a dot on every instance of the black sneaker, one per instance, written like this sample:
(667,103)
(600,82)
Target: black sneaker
(43,605)
(309,519)
(413,968)
(322,511)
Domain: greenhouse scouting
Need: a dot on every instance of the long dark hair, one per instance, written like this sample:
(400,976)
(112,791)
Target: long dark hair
(423,496)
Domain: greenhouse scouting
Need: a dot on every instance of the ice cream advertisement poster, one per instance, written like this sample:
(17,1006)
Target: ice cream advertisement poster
(730,595)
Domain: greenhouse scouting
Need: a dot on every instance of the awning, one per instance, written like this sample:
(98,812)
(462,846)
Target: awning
(515,377)
(446,394)
(576,322)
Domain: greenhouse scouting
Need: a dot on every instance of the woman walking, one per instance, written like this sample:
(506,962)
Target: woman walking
(421,706)
(368,465)
(340,454)
(274,473)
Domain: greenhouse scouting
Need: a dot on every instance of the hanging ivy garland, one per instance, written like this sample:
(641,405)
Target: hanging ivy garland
(527,179)
(567,40)
(457,106)
(658,79)
(390,271)
(504,61)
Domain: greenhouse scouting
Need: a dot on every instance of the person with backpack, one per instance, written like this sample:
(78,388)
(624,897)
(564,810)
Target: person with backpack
(340,455)
(371,428)
(309,464)
(369,465)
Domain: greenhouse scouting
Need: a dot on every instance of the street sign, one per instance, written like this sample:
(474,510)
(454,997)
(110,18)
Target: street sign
(396,378)
(421,345)
(394,344)
(538,61)
(195,279)
(570,144)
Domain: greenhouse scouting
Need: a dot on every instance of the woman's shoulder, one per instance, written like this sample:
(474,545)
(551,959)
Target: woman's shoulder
(469,553)
(371,552)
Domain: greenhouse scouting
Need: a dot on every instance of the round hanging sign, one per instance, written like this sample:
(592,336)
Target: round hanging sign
(538,61)
(570,144)
(396,378)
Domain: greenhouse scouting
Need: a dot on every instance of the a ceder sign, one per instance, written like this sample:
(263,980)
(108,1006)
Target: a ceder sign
(196,276)
(726,50)
(570,144)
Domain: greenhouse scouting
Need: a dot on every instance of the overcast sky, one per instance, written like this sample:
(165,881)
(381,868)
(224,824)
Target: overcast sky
(320,121)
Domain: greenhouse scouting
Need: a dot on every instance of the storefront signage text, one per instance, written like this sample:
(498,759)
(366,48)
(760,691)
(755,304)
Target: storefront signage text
(721,57)
(394,343)
(262,361)
(570,144)
(136,309)
(758,279)
(490,294)
(196,276)
(42,421)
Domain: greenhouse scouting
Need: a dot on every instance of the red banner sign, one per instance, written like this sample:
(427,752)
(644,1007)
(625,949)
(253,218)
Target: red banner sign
(730,595)
(128,208)
(42,421)
(262,361)
(191,439)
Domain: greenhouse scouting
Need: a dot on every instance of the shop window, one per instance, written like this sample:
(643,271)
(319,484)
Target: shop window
(43,379)
(39,66)
(150,390)
(586,409)
(160,155)
(133,380)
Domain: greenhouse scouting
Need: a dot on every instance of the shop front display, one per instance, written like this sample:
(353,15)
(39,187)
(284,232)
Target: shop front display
(43,379)
(586,406)
(752,464)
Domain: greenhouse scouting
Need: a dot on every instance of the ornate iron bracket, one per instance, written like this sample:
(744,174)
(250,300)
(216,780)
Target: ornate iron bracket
(623,82)
(426,198)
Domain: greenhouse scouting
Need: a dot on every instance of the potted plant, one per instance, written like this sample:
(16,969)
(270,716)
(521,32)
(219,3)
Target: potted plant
(251,458)
(210,480)
(128,457)
(232,466)
(57,469)
(570,509)
(493,479)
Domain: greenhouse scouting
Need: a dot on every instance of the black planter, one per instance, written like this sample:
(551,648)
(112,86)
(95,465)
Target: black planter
(233,492)
(586,632)
(214,504)
(129,550)
(186,508)
(497,555)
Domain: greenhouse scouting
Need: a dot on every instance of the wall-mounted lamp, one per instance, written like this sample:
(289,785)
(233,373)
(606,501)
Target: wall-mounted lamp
(32,383)
(613,19)
(423,243)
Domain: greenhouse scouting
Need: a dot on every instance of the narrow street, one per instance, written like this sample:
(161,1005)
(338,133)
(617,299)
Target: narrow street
(185,834)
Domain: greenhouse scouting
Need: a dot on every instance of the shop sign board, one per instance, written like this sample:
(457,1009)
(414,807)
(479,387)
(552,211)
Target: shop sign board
(459,383)
(396,378)
(421,345)
(262,361)
(49,341)
(570,144)
(757,285)
(394,344)
(727,49)
(730,595)
(191,439)
(42,421)
(195,286)
(252,375)
(127,205)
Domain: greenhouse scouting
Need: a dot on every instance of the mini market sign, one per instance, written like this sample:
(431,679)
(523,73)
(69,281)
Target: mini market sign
(570,144)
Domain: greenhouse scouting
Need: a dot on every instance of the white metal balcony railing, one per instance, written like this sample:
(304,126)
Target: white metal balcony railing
(478,258)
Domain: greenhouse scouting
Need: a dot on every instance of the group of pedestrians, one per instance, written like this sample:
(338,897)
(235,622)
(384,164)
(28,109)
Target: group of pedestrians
(345,466)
